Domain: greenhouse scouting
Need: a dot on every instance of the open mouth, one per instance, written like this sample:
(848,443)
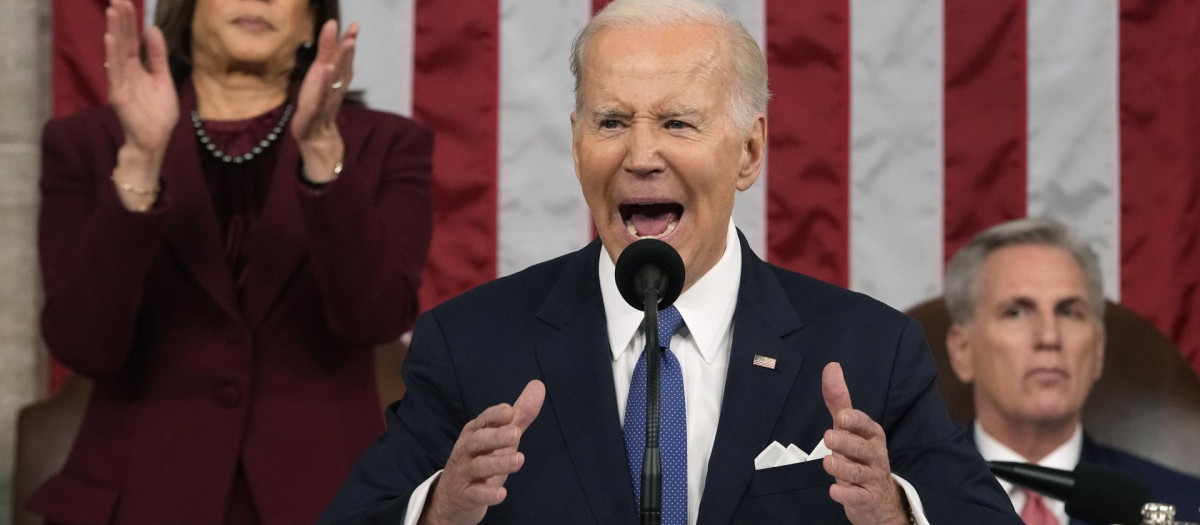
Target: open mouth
(651,221)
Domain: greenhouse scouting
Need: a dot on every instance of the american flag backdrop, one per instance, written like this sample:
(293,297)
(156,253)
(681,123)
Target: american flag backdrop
(898,129)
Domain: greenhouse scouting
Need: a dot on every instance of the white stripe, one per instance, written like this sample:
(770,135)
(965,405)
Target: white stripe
(896,167)
(750,207)
(1073,171)
(148,8)
(542,213)
(383,60)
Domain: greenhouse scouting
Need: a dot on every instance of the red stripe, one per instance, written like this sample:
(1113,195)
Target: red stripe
(456,91)
(808,48)
(77,55)
(1160,160)
(985,124)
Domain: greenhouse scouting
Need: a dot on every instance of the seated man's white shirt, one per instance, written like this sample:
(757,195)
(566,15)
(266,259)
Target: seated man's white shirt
(702,346)
(1065,457)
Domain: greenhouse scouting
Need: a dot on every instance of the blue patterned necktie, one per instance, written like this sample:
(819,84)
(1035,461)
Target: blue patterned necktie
(672,439)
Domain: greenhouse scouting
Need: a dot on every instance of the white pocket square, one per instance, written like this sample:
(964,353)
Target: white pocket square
(777,455)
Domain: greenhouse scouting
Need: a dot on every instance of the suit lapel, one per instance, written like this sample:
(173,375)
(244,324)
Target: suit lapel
(194,235)
(754,396)
(278,237)
(576,366)
(279,240)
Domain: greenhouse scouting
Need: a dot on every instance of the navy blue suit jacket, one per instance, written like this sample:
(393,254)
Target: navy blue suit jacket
(547,322)
(1165,485)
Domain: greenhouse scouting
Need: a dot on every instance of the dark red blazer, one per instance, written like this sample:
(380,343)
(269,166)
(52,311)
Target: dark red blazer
(189,384)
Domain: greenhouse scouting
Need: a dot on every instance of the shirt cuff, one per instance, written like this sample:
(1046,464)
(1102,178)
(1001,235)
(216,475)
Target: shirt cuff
(914,501)
(416,502)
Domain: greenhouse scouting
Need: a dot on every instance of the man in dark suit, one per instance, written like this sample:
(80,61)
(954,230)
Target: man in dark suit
(1027,306)
(669,124)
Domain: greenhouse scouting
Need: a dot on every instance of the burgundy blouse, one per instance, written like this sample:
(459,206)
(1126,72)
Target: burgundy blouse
(238,191)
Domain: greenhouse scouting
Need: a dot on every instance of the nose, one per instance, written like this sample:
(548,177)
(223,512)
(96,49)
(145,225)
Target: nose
(1049,333)
(643,157)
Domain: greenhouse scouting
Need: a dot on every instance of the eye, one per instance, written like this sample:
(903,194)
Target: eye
(1073,312)
(610,124)
(1014,311)
(677,125)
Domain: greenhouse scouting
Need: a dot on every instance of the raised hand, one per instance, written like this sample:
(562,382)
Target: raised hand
(482,458)
(314,125)
(142,95)
(858,459)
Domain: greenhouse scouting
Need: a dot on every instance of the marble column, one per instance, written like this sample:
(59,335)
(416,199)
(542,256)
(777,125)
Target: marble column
(24,107)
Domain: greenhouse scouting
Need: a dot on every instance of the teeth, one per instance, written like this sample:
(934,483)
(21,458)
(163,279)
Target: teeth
(629,227)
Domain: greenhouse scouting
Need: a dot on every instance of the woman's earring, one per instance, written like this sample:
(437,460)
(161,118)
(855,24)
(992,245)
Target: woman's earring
(307,44)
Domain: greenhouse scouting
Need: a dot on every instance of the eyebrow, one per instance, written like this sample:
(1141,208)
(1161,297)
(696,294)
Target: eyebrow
(612,112)
(609,112)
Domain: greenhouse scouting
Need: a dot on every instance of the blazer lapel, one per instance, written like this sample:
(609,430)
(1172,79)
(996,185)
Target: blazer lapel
(576,366)
(754,395)
(278,238)
(194,235)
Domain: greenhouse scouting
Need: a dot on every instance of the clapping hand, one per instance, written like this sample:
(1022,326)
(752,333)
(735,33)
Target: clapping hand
(482,458)
(321,94)
(143,96)
(858,459)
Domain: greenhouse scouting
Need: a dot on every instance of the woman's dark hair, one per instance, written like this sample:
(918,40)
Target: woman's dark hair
(174,17)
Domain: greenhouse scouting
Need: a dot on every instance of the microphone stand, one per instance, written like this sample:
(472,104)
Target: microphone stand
(651,504)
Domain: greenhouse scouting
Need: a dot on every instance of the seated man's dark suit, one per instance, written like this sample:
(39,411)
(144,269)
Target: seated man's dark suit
(547,322)
(1165,485)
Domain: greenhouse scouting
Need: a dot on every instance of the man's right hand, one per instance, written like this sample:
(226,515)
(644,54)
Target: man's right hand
(482,458)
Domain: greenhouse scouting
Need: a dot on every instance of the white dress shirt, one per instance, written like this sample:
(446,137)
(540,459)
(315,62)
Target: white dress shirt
(702,346)
(1065,457)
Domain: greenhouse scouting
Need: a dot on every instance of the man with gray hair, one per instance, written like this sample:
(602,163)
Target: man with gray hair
(784,399)
(1026,305)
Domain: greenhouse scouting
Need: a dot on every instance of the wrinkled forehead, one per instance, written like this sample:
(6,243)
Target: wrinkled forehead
(690,55)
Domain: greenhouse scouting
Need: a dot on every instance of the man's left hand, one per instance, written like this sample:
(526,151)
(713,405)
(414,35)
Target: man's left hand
(858,459)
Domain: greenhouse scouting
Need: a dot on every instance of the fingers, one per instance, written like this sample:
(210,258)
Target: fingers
(326,43)
(834,391)
(491,466)
(529,404)
(156,51)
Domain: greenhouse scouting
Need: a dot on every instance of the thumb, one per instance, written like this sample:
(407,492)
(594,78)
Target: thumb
(834,391)
(529,404)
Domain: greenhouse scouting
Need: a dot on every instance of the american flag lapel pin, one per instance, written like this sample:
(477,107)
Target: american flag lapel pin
(765,362)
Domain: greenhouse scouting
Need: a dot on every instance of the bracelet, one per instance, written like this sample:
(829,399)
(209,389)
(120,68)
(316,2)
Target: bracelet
(337,172)
(133,189)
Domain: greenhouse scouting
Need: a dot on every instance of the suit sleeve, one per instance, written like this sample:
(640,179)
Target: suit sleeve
(94,254)
(929,450)
(369,244)
(421,431)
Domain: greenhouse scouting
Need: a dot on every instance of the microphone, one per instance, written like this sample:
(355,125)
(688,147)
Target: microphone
(646,264)
(650,275)
(1093,493)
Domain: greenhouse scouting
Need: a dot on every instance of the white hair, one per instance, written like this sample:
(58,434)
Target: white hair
(749,93)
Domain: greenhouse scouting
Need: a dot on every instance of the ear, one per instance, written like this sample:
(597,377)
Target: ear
(753,151)
(958,346)
(575,142)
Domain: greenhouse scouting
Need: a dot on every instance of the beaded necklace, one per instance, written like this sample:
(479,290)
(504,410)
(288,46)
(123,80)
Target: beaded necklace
(230,159)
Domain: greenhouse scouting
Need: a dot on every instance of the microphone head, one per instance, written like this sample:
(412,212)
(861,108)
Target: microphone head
(647,263)
(1106,495)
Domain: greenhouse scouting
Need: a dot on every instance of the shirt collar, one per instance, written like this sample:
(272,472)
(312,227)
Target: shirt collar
(1065,457)
(707,307)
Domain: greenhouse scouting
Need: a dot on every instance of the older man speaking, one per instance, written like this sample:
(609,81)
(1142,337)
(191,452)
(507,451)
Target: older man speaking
(761,424)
